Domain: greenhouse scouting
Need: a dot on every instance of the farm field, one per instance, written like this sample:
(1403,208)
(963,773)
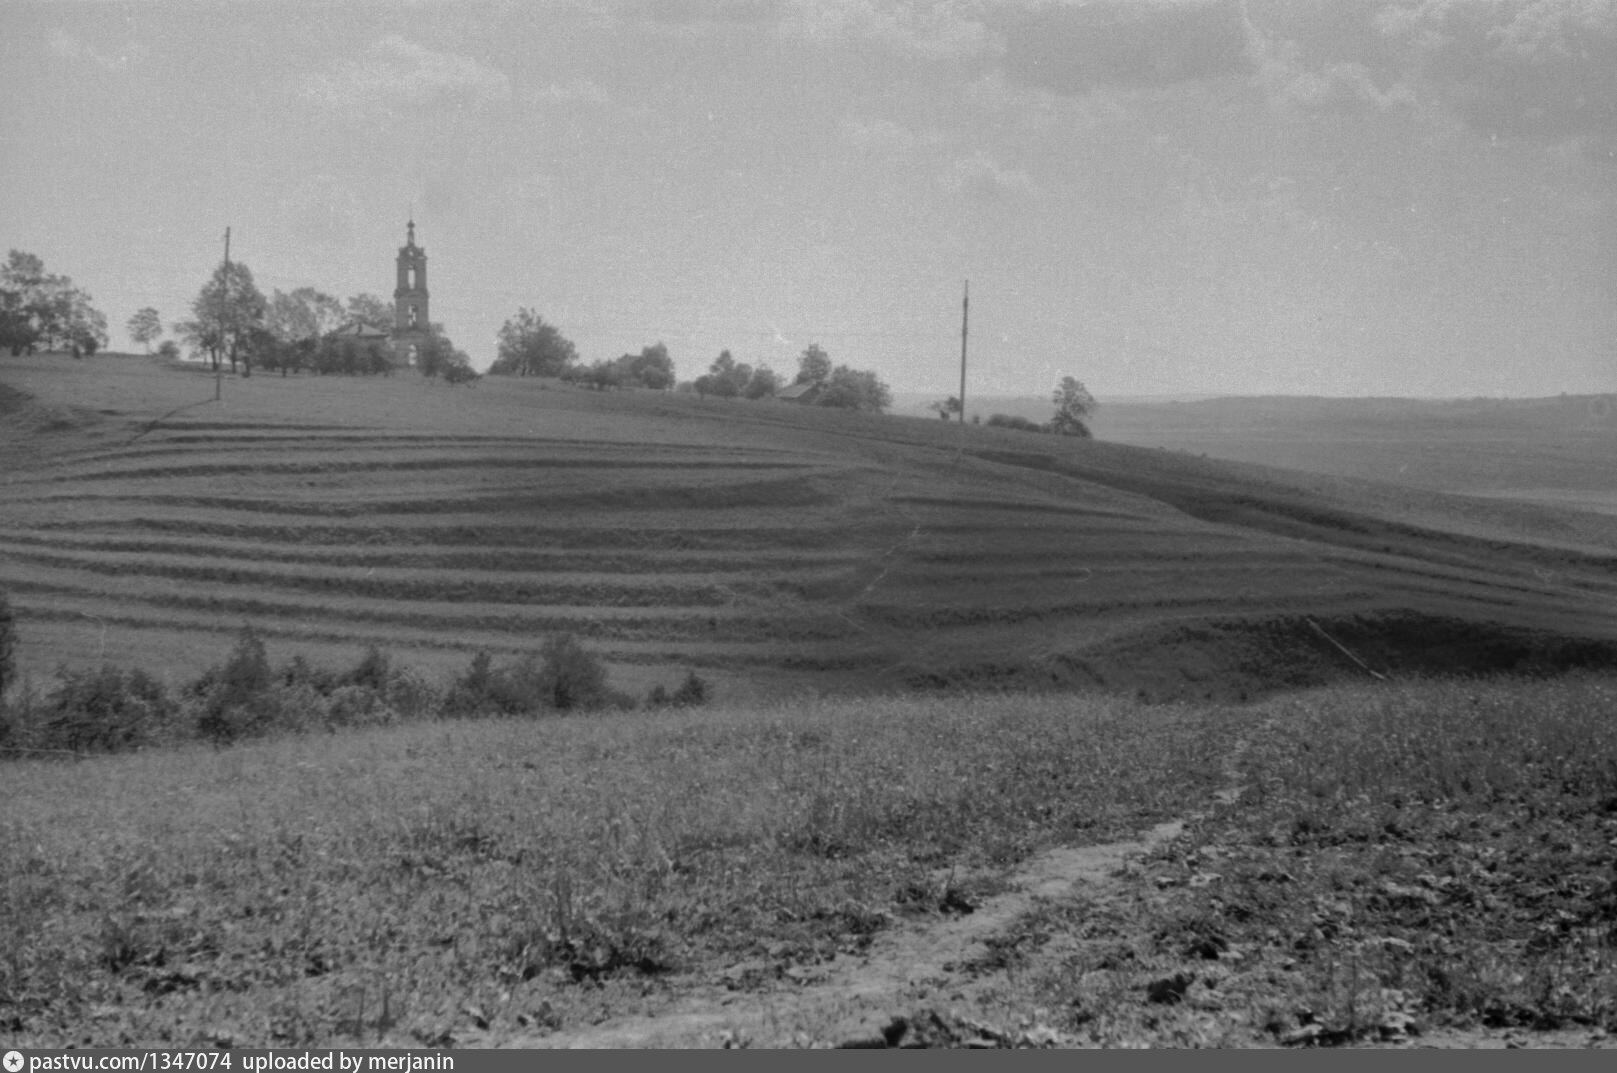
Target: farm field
(775,549)
(1238,796)
(1386,864)
(1556,451)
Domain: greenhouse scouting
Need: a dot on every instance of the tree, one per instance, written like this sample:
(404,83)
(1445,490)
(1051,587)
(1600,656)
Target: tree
(38,308)
(1074,404)
(530,347)
(573,677)
(83,327)
(436,353)
(855,389)
(725,378)
(765,382)
(651,368)
(371,311)
(814,366)
(305,313)
(145,326)
(950,405)
(228,307)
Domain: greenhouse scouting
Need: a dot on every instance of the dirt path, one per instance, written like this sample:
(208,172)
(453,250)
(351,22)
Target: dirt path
(862,1000)
(869,1000)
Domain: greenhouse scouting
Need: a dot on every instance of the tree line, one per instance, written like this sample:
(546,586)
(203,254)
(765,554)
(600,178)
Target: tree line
(530,347)
(41,310)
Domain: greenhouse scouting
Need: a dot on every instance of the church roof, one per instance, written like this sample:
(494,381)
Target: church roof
(356,330)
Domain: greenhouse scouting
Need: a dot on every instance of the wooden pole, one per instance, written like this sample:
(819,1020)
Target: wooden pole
(965,314)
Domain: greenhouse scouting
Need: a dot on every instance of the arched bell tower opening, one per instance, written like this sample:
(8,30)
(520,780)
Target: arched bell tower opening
(410,319)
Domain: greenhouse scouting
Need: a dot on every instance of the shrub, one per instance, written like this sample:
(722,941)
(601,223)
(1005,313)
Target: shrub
(372,671)
(103,710)
(572,676)
(235,698)
(472,692)
(1019,424)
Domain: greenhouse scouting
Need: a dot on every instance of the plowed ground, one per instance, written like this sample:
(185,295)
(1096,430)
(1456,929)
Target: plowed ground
(773,548)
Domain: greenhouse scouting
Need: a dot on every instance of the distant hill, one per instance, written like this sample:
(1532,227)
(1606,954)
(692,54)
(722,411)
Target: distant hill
(774,548)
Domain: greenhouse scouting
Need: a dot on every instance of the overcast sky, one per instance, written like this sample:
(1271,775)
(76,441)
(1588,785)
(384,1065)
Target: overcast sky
(1276,196)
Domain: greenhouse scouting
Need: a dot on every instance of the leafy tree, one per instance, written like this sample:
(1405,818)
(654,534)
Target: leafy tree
(725,377)
(814,367)
(572,676)
(601,375)
(234,696)
(228,307)
(145,326)
(169,350)
(855,389)
(305,313)
(38,308)
(371,311)
(83,327)
(8,644)
(437,355)
(943,409)
(1074,404)
(764,384)
(459,370)
(530,347)
(651,368)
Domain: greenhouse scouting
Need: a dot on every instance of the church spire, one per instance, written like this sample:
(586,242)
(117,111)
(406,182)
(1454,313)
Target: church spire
(409,234)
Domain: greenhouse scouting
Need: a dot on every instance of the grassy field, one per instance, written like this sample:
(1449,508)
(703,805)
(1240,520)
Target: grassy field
(1353,865)
(1244,789)
(776,549)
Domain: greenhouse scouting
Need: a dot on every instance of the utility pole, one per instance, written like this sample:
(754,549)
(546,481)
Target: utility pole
(965,315)
(218,371)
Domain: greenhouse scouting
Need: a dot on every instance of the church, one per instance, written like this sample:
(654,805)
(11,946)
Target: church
(410,320)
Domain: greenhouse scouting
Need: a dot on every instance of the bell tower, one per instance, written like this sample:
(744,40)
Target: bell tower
(410,300)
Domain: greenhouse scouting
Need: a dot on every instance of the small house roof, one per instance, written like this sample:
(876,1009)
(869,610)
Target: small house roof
(799,392)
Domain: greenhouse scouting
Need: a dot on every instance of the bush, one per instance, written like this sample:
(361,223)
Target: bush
(104,710)
(234,698)
(473,692)
(1020,424)
(372,671)
(572,676)
(693,692)
(563,677)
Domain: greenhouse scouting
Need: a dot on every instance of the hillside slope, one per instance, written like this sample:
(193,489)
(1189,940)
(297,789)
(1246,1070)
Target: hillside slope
(774,548)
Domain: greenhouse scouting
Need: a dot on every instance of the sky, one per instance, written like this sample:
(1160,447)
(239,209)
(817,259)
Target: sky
(1322,197)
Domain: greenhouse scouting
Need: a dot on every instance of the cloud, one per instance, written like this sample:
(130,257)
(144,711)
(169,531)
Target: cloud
(397,72)
(1537,70)
(679,15)
(1075,48)
(981,176)
(66,46)
(930,29)
(884,135)
(578,91)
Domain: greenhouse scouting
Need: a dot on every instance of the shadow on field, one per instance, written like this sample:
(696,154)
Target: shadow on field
(1233,659)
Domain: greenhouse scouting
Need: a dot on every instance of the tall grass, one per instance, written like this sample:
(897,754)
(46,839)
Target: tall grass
(1403,856)
(371,884)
